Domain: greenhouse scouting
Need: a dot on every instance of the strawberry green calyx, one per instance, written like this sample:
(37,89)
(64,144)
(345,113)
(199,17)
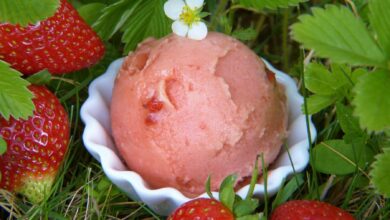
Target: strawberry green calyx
(230,206)
(242,208)
(36,189)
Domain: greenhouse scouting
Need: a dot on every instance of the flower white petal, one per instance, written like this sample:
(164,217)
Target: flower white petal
(180,28)
(194,3)
(198,31)
(173,8)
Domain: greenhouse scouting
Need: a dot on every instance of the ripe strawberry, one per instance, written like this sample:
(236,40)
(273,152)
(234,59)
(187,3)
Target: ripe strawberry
(202,209)
(62,43)
(309,210)
(35,147)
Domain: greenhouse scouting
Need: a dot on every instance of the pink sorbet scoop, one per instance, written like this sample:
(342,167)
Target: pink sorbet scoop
(183,110)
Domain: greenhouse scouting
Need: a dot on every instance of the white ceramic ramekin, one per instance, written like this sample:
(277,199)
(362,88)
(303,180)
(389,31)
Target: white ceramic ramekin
(95,113)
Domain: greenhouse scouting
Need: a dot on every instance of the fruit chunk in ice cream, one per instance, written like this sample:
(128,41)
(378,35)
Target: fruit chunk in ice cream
(183,110)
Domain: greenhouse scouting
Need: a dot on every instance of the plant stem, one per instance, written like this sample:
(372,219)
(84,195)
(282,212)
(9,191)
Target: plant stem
(218,14)
(252,185)
(265,176)
(285,47)
(258,28)
(312,158)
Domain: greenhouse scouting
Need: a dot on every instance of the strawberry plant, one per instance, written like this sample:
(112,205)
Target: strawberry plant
(338,51)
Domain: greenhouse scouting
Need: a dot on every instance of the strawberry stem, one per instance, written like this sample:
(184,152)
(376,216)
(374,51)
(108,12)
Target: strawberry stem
(72,82)
(255,174)
(265,174)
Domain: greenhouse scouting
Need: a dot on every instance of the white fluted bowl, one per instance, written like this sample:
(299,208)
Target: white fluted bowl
(95,113)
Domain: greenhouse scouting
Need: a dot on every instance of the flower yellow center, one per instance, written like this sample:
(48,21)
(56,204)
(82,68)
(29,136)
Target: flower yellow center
(189,16)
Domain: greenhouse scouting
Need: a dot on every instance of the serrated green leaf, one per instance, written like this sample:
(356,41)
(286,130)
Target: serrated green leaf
(245,34)
(286,191)
(334,32)
(322,82)
(245,207)
(380,21)
(24,12)
(91,12)
(348,123)
(226,191)
(41,78)
(15,98)
(147,20)
(269,4)
(380,173)
(3,146)
(372,100)
(316,103)
(342,74)
(339,158)
(357,73)
(113,17)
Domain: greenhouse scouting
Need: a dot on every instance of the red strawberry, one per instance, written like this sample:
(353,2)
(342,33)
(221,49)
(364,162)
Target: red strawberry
(309,210)
(202,209)
(62,43)
(35,147)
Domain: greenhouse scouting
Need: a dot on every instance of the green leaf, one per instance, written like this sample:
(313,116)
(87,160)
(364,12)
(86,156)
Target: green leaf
(342,74)
(372,100)
(113,17)
(285,192)
(357,73)
(349,124)
(147,20)
(227,194)
(3,146)
(208,187)
(204,14)
(340,158)
(26,12)
(15,98)
(40,78)
(137,19)
(380,173)
(334,32)
(245,207)
(380,21)
(245,34)
(91,12)
(316,103)
(270,4)
(251,217)
(320,81)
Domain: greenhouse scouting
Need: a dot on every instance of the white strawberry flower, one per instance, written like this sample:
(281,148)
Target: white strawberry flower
(187,18)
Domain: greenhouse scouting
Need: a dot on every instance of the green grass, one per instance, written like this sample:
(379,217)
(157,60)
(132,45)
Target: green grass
(82,191)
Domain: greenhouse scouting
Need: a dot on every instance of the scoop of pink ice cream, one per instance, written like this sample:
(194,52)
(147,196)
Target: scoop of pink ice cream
(183,110)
